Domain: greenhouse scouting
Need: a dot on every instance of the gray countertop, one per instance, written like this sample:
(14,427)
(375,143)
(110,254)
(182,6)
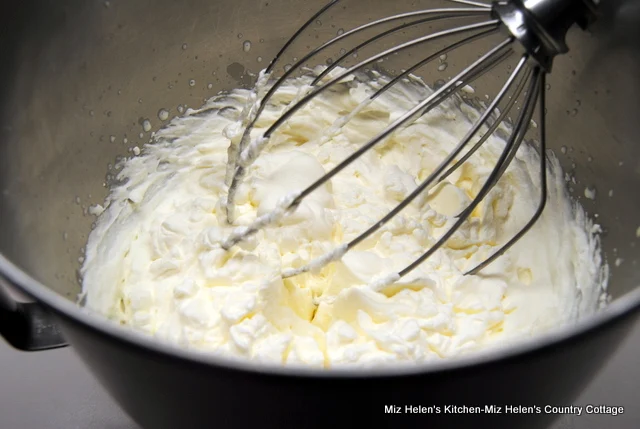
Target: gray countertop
(54,390)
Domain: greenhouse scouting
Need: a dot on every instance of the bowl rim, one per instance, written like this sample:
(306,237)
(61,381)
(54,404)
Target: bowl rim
(616,309)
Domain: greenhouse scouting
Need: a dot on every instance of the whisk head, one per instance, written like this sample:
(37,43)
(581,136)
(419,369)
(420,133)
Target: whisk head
(533,31)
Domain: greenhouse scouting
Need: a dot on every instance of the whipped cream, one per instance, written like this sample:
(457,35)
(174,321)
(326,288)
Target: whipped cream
(156,260)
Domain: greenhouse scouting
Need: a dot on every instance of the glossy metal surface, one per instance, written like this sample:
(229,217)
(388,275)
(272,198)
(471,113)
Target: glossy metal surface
(78,78)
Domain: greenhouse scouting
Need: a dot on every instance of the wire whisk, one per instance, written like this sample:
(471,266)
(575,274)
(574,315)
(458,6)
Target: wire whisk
(534,30)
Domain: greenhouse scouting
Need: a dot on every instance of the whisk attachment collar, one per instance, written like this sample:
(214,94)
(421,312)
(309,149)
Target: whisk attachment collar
(541,26)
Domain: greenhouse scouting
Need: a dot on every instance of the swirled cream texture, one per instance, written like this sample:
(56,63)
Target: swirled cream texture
(154,260)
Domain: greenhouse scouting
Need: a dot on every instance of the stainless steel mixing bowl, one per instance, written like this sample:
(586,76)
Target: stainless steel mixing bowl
(78,78)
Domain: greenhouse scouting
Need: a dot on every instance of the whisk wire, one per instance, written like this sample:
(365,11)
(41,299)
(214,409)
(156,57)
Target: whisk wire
(254,148)
(298,33)
(316,263)
(543,185)
(393,30)
(540,34)
(430,58)
(435,173)
(440,14)
(422,108)
(374,58)
(235,171)
(457,82)
(471,3)
(493,126)
(512,145)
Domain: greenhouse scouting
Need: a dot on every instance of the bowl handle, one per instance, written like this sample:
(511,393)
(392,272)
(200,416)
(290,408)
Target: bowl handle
(27,326)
